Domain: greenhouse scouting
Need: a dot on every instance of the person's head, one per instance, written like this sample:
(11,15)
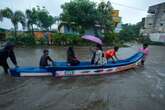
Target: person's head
(116,48)
(45,51)
(9,46)
(145,46)
(98,47)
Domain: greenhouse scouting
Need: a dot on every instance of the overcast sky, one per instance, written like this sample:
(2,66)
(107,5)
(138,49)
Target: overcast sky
(131,11)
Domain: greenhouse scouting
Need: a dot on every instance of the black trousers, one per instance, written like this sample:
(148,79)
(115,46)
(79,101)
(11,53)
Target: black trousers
(5,66)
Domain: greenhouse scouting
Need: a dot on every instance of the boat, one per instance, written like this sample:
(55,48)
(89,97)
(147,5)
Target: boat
(62,69)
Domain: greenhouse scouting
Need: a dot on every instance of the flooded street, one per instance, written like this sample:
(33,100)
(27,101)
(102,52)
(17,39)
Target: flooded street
(138,89)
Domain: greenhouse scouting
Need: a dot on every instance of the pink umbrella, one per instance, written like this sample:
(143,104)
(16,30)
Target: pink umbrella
(92,38)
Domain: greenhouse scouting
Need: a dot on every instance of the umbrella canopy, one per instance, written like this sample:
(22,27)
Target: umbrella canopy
(92,39)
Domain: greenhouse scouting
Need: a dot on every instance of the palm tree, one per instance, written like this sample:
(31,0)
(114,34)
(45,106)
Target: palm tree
(32,17)
(15,17)
(29,18)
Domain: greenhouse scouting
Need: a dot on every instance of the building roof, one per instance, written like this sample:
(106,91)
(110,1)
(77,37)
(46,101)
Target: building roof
(152,9)
(3,30)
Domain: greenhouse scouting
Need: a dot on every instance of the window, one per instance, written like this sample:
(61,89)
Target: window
(161,24)
(150,24)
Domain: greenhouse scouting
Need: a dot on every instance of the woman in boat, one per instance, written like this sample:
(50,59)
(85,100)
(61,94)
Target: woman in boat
(99,56)
(5,53)
(111,54)
(71,58)
(45,58)
(93,52)
(145,51)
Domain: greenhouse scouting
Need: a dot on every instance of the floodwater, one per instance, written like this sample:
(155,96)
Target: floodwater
(142,88)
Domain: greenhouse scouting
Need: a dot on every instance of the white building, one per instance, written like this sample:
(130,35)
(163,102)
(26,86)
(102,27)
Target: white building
(154,25)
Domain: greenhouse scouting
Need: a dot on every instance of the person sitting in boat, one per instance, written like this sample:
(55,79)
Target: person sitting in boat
(71,58)
(99,58)
(5,53)
(45,58)
(93,52)
(111,54)
(145,51)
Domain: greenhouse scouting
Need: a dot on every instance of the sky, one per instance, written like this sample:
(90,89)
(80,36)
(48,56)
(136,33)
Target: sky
(131,11)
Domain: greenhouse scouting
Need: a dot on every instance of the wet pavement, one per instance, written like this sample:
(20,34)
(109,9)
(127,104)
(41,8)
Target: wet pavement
(142,88)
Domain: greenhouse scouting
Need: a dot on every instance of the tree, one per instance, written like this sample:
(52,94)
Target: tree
(31,16)
(105,16)
(82,13)
(44,19)
(130,32)
(15,17)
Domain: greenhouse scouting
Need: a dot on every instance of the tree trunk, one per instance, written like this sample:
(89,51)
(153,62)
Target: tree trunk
(32,30)
(15,32)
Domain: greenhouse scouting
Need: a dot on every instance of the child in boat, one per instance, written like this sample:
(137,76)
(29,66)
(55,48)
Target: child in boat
(145,51)
(111,54)
(99,58)
(45,58)
(71,58)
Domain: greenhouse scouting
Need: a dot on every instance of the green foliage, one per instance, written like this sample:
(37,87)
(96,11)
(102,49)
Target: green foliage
(67,39)
(80,12)
(104,11)
(41,41)
(85,14)
(112,38)
(23,39)
(44,20)
(15,17)
(130,32)
(31,16)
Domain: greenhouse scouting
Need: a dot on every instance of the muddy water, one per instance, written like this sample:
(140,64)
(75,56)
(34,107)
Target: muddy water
(138,89)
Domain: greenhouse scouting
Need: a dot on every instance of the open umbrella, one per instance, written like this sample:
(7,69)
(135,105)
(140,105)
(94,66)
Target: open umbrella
(92,39)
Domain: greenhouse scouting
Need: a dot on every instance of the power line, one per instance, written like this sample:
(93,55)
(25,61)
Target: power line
(128,6)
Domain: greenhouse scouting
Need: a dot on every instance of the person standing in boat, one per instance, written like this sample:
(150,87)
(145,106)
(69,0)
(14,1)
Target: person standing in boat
(111,54)
(45,58)
(145,51)
(5,53)
(99,58)
(71,58)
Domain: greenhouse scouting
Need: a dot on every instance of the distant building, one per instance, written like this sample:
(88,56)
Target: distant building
(154,23)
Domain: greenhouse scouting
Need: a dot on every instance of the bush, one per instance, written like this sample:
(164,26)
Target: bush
(67,39)
(112,38)
(23,39)
(41,41)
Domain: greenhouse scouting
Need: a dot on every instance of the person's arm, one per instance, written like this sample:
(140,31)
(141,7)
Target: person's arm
(116,57)
(13,58)
(50,59)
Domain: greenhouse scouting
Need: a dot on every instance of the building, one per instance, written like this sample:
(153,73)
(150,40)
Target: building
(154,23)
(115,17)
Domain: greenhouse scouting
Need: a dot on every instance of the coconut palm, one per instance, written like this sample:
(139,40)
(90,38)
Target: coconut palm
(15,17)
(32,17)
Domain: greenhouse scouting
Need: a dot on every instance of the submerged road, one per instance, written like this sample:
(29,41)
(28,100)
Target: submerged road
(138,89)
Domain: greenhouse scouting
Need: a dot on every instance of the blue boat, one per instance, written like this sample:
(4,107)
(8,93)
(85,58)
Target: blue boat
(62,69)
